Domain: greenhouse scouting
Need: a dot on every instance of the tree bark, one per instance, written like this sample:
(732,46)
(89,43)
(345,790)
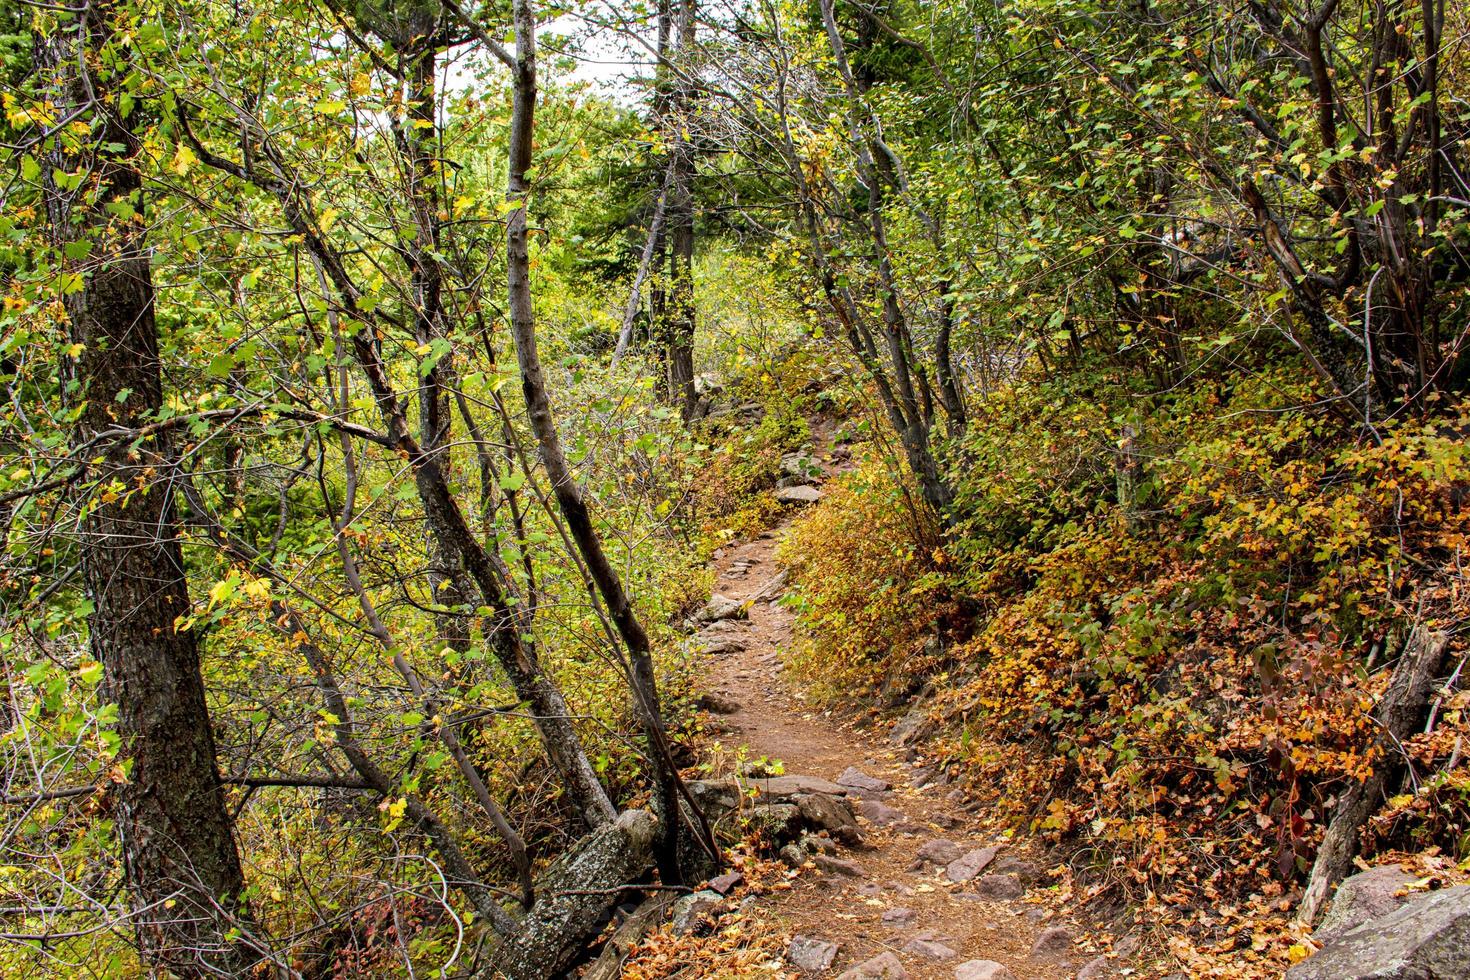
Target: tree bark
(178,850)
(641,674)
(1399,714)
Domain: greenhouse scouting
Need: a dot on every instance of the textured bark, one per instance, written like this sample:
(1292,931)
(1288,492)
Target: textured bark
(573,897)
(178,851)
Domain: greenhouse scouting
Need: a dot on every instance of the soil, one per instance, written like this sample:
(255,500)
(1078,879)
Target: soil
(774,721)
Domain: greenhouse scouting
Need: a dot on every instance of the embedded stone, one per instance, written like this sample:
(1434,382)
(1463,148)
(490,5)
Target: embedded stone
(965,868)
(811,955)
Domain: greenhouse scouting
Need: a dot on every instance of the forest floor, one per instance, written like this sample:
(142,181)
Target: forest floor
(946,924)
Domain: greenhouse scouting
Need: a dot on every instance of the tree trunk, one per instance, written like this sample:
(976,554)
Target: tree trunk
(178,851)
(1399,714)
(641,675)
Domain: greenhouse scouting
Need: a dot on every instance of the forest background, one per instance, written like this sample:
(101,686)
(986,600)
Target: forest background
(377,389)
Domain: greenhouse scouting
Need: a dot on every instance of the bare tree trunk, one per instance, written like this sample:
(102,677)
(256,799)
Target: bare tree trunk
(645,262)
(178,849)
(1399,714)
(569,498)
(913,432)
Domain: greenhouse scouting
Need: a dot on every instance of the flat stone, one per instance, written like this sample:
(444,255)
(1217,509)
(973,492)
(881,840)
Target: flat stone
(716,643)
(776,787)
(1094,969)
(722,607)
(1364,896)
(1056,941)
(929,949)
(725,882)
(884,966)
(1428,938)
(854,777)
(898,918)
(965,868)
(879,814)
(793,855)
(819,844)
(997,888)
(982,970)
(940,851)
(811,955)
(837,866)
(799,496)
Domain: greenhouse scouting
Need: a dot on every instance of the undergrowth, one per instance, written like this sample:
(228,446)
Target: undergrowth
(1171,692)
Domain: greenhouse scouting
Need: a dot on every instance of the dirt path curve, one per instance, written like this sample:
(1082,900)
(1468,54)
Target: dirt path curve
(899,904)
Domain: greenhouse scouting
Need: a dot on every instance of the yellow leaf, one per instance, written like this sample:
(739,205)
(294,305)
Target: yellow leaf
(184,158)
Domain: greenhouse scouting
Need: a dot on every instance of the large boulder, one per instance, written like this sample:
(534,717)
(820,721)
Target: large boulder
(1364,896)
(1428,938)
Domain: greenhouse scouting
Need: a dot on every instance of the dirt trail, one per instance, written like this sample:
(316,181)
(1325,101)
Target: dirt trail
(773,721)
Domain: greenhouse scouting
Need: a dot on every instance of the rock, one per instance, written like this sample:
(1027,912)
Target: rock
(982,970)
(574,895)
(879,814)
(1427,938)
(725,882)
(997,888)
(915,724)
(830,814)
(898,886)
(691,911)
(884,966)
(802,465)
(855,778)
(717,704)
(929,949)
(965,868)
(781,787)
(898,918)
(1056,941)
(944,820)
(1027,871)
(811,955)
(1362,897)
(718,639)
(818,844)
(1094,969)
(716,797)
(837,866)
(793,855)
(926,776)
(940,851)
(779,822)
(722,607)
(799,496)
